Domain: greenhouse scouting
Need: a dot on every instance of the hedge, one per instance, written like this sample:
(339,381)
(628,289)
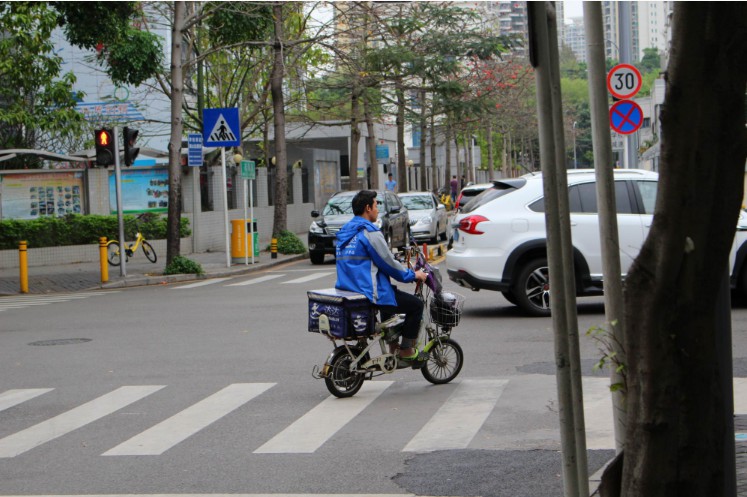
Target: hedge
(77,229)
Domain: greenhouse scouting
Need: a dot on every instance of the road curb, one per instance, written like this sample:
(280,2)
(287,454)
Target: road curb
(135,281)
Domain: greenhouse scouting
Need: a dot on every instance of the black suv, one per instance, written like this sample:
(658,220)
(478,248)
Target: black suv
(393,220)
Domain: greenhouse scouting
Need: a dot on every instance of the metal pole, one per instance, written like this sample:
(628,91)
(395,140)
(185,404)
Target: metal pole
(196,207)
(120,214)
(540,47)
(251,214)
(225,204)
(575,162)
(626,56)
(246,242)
(602,145)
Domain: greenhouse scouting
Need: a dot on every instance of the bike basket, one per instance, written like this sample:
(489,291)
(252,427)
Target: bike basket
(350,315)
(446,308)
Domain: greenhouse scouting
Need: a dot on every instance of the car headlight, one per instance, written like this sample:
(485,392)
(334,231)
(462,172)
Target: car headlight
(315,228)
(378,223)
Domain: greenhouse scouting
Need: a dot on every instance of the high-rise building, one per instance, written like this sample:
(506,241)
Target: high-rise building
(575,38)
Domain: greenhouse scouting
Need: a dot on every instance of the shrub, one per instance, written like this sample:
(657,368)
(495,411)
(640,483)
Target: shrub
(78,229)
(289,243)
(183,265)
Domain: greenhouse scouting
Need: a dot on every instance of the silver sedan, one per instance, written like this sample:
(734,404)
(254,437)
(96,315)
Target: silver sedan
(428,217)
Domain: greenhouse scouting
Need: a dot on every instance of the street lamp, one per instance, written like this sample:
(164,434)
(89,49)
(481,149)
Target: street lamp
(575,162)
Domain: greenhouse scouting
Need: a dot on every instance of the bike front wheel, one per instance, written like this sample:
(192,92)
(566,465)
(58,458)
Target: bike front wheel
(113,254)
(444,362)
(341,380)
(149,252)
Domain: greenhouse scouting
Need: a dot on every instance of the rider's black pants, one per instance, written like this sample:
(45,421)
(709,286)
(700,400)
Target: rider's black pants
(409,305)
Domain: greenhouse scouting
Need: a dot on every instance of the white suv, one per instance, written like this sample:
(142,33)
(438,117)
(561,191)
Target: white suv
(500,240)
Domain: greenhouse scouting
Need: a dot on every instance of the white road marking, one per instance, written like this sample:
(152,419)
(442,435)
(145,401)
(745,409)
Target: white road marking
(12,398)
(261,279)
(27,439)
(164,435)
(458,420)
(212,281)
(310,431)
(309,277)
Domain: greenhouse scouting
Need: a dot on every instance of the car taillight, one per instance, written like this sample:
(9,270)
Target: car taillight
(459,199)
(469,224)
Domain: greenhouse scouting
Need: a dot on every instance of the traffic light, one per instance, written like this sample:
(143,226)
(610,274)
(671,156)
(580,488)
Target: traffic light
(130,152)
(105,151)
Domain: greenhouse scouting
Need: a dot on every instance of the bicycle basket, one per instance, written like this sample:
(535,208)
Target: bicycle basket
(446,308)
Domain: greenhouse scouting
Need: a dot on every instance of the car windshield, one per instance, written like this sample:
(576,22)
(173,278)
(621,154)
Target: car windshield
(338,205)
(499,189)
(417,202)
(343,204)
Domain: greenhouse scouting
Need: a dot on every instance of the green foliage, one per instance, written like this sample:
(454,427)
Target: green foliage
(183,265)
(35,94)
(289,243)
(236,22)
(651,61)
(77,229)
(607,344)
(129,55)
(134,58)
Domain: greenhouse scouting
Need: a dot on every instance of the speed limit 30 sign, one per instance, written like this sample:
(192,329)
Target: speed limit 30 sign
(624,81)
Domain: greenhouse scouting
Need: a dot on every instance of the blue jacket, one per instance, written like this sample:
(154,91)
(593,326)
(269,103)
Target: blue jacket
(365,263)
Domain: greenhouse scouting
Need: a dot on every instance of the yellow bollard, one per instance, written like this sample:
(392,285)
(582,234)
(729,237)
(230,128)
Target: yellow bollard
(104,262)
(274,248)
(23,262)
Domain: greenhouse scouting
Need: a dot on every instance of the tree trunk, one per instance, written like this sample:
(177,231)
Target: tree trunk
(355,135)
(491,156)
(677,423)
(447,146)
(434,166)
(175,141)
(401,154)
(371,144)
(280,221)
(423,131)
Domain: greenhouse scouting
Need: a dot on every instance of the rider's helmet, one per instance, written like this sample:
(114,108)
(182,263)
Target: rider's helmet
(446,308)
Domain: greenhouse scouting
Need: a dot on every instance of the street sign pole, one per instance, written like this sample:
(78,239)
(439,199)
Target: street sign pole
(251,215)
(120,215)
(246,242)
(225,204)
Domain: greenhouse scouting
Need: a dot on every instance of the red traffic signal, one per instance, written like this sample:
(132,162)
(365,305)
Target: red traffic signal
(130,151)
(105,150)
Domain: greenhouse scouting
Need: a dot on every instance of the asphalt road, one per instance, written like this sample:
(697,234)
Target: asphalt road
(206,388)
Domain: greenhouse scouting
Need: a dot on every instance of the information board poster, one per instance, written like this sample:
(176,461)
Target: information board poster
(30,196)
(143,190)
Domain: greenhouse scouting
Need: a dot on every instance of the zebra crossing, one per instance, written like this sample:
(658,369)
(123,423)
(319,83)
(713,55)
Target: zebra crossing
(281,278)
(478,413)
(23,301)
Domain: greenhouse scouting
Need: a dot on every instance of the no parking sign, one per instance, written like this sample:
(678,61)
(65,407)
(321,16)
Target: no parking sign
(626,117)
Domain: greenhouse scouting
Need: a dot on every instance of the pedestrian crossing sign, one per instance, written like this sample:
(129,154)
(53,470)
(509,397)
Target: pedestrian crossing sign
(221,127)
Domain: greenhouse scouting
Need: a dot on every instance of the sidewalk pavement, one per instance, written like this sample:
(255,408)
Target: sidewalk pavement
(87,275)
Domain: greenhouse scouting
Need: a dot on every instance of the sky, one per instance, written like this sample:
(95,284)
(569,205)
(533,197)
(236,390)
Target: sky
(573,8)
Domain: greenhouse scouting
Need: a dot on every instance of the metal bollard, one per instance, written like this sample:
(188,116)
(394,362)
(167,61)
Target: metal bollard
(103,260)
(23,263)
(274,248)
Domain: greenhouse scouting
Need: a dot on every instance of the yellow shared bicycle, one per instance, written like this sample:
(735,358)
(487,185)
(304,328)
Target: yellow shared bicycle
(114,253)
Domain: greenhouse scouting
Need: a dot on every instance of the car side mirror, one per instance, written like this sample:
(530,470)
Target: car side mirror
(314,213)
(394,210)
(440,207)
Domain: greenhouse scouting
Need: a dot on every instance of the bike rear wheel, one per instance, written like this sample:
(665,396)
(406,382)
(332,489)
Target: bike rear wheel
(444,362)
(149,252)
(341,381)
(113,254)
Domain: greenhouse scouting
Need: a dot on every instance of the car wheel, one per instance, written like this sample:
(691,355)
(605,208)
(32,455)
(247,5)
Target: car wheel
(532,288)
(316,257)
